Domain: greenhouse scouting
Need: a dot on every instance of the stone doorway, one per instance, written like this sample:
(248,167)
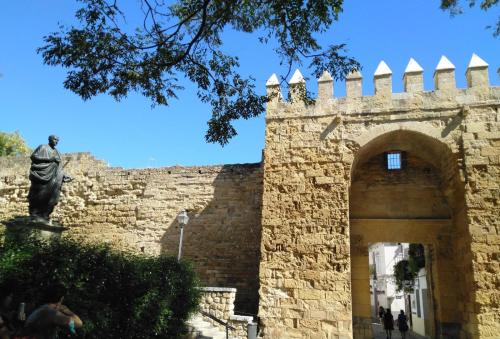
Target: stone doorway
(370,232)
(405,189)
(413,296)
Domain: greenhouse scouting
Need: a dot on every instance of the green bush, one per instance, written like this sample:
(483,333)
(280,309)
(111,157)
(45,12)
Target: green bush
(117,295)
(406,271)
(417,254)
(13,144)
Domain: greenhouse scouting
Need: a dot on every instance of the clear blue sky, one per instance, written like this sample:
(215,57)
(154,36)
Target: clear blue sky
(131,134)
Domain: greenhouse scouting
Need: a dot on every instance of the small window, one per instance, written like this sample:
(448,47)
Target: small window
(394,160)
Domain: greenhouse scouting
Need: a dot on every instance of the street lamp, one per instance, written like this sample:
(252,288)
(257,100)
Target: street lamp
(182,219)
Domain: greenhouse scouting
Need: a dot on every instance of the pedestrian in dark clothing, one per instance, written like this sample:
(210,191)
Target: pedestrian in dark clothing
(388,323)
(402,324)
(381,313)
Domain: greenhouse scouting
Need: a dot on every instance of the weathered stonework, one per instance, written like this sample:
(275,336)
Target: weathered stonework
(219,302)
(327,196)
(136,210)
(322,195)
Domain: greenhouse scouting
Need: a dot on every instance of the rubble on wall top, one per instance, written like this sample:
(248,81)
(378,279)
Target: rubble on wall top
(476,61)
(296,78)
(382,69)
(444,64)
(273,80)
(413,67)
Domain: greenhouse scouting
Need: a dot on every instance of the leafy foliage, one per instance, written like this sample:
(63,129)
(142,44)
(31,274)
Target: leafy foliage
(406,271)
(117,295)
(405,275)
(416,254)
(455,7)
(12,144)
(183,38)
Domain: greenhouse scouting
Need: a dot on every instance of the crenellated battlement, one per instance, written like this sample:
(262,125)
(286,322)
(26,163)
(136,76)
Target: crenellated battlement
(329,192)
(445,93)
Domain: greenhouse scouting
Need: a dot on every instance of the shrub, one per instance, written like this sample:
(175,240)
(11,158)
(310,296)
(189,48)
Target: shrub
(404,276)
(13,144)
(117,295)
(406,271)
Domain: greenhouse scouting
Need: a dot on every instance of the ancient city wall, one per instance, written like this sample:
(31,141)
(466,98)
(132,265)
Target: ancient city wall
(314,266)
(318,200)
(136,210)
(377,193)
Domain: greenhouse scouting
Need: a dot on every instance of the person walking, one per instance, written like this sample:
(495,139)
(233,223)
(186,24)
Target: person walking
(388,323)
(402,324)
(381,313)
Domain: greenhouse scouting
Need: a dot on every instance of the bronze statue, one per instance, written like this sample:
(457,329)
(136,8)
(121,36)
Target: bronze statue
(46,176)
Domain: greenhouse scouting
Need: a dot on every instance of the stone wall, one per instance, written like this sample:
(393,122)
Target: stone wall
(481,142)
(380,193)
(136,210)
(219,303)
(305,206)
(309,255)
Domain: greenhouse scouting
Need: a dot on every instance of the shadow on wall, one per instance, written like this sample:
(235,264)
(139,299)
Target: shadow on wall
(134,209)
(222,238)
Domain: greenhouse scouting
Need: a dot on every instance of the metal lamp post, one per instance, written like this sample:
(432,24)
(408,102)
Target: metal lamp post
(182,219)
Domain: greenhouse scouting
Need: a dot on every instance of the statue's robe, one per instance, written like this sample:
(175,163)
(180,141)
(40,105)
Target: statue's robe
(46,175)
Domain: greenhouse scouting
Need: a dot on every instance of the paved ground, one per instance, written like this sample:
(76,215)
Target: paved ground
(379,333)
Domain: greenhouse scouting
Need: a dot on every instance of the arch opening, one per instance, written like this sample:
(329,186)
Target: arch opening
(421,202)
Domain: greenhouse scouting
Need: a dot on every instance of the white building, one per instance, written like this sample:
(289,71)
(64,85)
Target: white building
(382,257)
(419,300)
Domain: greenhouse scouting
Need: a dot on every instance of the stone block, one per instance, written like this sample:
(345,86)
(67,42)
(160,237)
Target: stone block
(324,180)
(310,294)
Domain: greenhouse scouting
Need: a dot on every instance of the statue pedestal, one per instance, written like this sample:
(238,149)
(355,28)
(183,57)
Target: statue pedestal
(21,228)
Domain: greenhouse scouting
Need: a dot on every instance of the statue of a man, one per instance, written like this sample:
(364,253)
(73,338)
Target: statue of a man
(47,177)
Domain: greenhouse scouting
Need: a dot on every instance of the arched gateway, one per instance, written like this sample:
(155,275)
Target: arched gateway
(291,234)
(415,198)
(328,193)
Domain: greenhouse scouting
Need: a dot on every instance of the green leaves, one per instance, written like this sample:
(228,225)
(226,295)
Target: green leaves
(13,144)
(183,39)
(406,271)
(117,295)
(404,276)
(455,8)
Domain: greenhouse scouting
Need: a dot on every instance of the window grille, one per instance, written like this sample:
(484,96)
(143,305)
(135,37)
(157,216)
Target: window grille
(393,161)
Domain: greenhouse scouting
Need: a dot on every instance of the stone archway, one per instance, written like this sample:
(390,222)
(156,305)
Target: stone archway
(421,203)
